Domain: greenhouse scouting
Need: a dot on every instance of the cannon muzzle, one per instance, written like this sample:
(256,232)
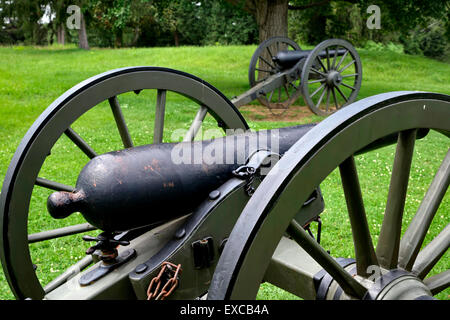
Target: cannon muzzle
(144,185)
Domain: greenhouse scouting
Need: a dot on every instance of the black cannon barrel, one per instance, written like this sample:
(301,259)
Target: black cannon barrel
(134,187)
(287,59)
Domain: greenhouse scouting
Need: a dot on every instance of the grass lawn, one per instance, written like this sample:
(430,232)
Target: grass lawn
(32,78)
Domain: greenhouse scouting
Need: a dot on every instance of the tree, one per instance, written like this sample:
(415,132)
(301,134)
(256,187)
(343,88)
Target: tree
(271,16)
(82,34)
(170,17)
(111,16)
(184,20)
(57,24)
(23,17)
(398,15)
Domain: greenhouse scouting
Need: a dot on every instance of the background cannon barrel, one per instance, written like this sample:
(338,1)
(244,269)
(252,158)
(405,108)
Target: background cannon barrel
(287,59)
(139,186)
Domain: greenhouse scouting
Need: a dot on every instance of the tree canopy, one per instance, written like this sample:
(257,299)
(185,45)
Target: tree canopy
(118,23)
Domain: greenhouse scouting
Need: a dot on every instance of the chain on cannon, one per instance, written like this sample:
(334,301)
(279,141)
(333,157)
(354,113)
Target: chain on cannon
(168,278)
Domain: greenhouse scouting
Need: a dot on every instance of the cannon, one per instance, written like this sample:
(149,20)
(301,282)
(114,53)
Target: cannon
(214,218)
(328,77)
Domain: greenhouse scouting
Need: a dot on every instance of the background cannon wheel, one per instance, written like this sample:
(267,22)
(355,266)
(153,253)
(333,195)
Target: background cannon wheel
(57,136)
(270,211)
(261,67)
(330,82)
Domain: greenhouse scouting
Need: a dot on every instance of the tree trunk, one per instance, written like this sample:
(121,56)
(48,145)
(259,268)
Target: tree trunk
(176,38)
(272,18)
(61,34)
(82,35)
(137,33)
(118,39)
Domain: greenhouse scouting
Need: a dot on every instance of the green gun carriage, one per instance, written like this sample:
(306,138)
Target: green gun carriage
(218,230)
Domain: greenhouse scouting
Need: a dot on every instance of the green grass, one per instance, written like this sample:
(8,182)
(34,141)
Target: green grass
(31,78)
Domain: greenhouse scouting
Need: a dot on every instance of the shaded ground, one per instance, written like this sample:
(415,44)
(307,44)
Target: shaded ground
(262,113)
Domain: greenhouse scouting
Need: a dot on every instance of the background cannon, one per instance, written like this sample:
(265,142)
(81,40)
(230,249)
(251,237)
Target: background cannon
(328,77)
(234,227)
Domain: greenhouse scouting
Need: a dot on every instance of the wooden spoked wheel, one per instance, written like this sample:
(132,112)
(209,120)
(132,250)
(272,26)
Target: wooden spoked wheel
(403,259)
(261,67)
(73,127)
(331,76)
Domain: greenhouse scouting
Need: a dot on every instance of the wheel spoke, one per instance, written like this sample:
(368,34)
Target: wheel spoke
(270,96)
(80,143)
(342,60)
(335,57)
(120,122)
(287,91)
(347,65)
(430,255)
(364,250)
(321,97)
(328,99)
(389,239)
(158,129)
(345,280)
(347,86)
(318,72)
(328,58)
(266,62)
(321,64)
(316,81)
(341,93)
(270,53)
(439,282)
(349,75)
(335,99)
(317,90)
(415,234)
(60,232)
(53,185)
(196,124)
(68,274)
(264,70)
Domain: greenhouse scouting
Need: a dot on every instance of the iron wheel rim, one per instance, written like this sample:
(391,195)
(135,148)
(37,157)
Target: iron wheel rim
(255,236)
(29,157)
(272,69)
(316,70)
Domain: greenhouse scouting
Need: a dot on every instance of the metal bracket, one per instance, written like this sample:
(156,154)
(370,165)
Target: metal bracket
(323,279)
(252,168)
(246,173)
(105,268)
(203,252)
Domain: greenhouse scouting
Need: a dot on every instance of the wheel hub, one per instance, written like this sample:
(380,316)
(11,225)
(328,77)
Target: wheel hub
(334,78)
(395,284)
